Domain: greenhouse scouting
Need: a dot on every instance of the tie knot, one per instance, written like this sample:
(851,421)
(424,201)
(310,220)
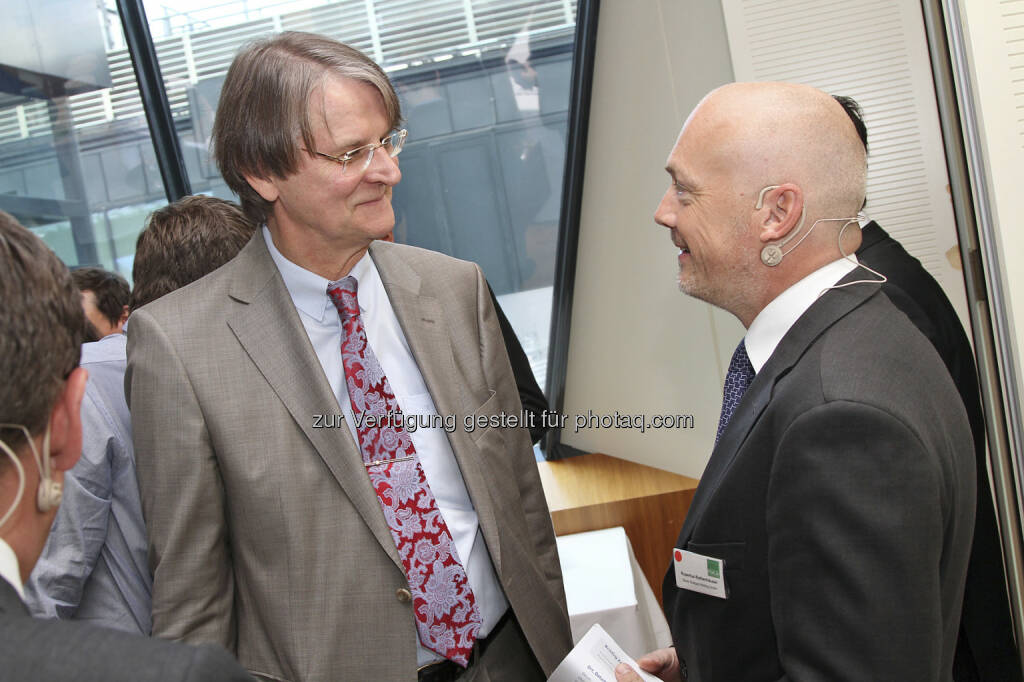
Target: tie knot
(737,380)
(740,367)
(343,295)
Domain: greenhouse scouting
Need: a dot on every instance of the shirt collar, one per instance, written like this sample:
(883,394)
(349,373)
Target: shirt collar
(9,570)
(772,323)
(367,282)
(309,290)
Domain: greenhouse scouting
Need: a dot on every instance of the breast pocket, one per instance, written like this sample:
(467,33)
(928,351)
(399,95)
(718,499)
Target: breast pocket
(419,412)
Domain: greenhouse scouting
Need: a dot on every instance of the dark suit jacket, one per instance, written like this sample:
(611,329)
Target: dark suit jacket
(985,649)
(53,650)
(841,499)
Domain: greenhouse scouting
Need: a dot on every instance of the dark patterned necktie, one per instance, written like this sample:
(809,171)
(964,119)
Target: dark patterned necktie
(737,381)
(447,618)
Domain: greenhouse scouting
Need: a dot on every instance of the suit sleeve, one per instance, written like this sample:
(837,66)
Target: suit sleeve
(182,493)
(857,515)
(79,530)
(213,664)
(34,649)
(531,491)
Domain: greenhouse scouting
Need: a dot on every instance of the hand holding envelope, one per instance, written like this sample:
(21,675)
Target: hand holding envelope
(663,663)
(597,657)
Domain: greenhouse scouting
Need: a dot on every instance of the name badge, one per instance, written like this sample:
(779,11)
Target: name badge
(699,573)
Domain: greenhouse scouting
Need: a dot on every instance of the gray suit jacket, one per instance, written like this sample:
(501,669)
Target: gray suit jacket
(53,650)
(841,499)
(265,533)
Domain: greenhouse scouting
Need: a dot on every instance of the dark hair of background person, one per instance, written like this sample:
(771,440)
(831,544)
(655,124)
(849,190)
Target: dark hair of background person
(856,115)
(110,289)
(43,326)
(184,241)
(263,118)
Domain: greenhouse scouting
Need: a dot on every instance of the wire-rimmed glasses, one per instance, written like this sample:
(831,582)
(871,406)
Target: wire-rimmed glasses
(360,158)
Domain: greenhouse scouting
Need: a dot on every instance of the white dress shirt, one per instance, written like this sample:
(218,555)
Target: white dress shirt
(9,570)
(384,335)
(776,318)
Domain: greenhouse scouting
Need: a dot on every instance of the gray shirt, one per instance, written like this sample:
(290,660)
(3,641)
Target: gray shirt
(94,565)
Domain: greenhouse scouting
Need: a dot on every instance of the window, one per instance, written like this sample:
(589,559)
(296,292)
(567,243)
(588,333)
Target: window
(76,162)
(484,86)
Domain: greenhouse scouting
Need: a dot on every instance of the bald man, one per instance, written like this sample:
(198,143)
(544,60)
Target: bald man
(829,536)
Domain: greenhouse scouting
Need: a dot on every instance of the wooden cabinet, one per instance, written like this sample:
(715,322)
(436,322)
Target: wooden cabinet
(597,491)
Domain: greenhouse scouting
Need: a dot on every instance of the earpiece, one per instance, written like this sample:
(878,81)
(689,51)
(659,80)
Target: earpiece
(760,197)
(771,255)
(50,492)
(49,495)
(21,480)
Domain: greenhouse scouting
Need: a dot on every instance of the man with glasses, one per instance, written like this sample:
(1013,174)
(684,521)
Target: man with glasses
(320,494)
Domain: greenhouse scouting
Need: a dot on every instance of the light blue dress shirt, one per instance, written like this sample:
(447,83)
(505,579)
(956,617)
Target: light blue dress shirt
(94,565)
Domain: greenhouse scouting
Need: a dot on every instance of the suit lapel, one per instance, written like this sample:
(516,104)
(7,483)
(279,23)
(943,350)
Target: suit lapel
(743,420)
(10,602)
(423,322)
(269,329)
(828,309)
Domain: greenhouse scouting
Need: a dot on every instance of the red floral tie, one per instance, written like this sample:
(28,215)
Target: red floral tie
(446,615)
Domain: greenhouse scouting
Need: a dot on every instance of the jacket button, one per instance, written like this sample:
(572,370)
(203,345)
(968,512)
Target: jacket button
(403,595)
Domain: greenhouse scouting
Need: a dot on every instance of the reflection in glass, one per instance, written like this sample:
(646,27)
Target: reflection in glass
(75,152)
(484,87)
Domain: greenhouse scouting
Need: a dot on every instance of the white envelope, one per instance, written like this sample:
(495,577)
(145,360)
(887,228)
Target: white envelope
(594,660)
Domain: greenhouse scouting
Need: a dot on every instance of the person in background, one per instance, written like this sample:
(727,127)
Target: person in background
(985,648)
(94,565)
(41,389)
(105,301)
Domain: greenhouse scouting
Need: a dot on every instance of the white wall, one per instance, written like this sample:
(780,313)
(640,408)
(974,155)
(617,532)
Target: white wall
(638,345)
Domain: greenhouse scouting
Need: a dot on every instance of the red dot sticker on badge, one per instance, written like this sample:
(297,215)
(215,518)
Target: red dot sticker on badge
(679,555)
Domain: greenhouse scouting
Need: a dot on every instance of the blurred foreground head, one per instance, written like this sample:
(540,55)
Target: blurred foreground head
(41,386)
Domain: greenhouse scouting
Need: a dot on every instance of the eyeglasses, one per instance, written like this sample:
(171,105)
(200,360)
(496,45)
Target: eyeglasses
(359,159)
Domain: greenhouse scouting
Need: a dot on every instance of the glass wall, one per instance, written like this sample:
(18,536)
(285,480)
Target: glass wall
(76,162)
(484,86)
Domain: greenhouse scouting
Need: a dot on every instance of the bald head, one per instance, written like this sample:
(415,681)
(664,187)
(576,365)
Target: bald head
(759,164)
(774,133)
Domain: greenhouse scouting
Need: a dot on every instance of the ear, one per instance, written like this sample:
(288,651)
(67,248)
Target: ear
(781,211)
(265,187)
(66,422)
(125,312)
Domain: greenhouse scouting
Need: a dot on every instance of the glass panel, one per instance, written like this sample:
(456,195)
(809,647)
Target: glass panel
(77,163)
(484,86)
